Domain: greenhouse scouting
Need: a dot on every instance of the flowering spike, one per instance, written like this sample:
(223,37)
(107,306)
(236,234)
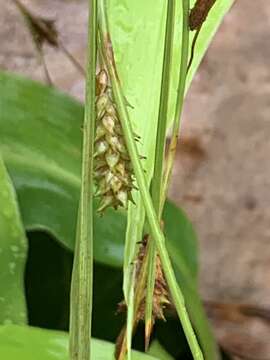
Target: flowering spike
(114,174)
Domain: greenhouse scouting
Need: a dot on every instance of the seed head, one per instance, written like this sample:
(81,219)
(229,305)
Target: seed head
(114,175)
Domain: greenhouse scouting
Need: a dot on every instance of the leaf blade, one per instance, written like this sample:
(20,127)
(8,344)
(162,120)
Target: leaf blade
(28,343)
(13,245)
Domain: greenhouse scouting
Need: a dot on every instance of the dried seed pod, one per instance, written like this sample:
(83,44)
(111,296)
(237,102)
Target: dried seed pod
(199,12)
(161,297)
(114,175)
(197,17)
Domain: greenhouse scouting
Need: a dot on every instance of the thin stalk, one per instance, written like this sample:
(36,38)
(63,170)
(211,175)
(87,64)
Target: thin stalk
(180,99)
(41,59)
(155,230)
(156,185)
(130,317)
(136,294)
(163,109)
(72,59)
(82,275)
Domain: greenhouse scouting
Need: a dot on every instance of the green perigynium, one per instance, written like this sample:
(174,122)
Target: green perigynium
(113,170)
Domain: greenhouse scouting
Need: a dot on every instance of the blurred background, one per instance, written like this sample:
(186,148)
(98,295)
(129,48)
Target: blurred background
(222,173)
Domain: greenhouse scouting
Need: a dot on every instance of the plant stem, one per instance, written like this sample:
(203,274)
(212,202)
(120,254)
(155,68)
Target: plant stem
(153,222)
(136,294)
(163,109)
(180,99)
(156,185)
(82,275)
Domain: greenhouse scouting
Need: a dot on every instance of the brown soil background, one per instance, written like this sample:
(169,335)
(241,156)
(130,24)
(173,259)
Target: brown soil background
(222,172)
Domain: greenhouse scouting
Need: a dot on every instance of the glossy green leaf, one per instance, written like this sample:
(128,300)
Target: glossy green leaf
(13,250)
(41,145)
(28,343)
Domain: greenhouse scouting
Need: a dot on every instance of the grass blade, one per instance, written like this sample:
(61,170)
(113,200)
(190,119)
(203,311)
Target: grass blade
(156,185)
(180,98)
(82,276)
(13,252)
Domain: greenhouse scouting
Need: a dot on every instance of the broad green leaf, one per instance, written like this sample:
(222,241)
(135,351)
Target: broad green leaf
(13,250)
(157,350)
(48,288)
(41,145)
(28,343)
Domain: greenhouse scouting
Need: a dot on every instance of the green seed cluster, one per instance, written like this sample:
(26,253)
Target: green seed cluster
(113,169)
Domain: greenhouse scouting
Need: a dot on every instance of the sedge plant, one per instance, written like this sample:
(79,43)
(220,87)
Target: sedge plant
(141,283)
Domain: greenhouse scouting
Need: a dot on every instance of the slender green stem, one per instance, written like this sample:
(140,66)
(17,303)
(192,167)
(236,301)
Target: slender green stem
(82,276)
(163,109)
(134,304)
(156,185)
(180,98)
(152,218)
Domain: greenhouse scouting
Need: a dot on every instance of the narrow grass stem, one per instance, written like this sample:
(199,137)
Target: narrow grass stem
(180,99)
(156,185)
(152,218)
(82,275)
(137,294)
(163,109)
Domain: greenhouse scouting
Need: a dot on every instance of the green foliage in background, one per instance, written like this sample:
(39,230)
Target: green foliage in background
(28,343)
(13,251)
